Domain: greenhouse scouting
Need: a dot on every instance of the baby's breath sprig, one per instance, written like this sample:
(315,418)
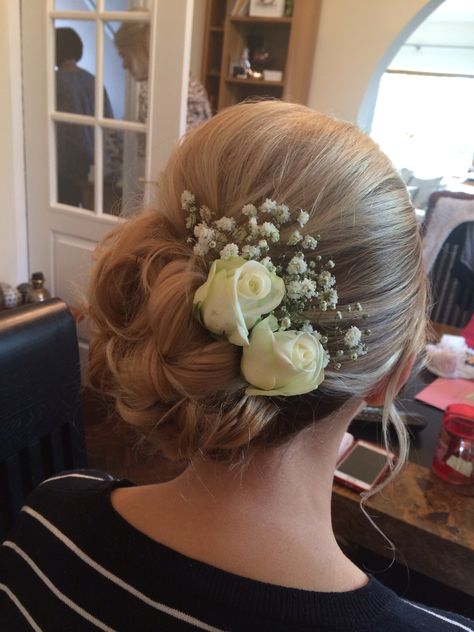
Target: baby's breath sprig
(310,284)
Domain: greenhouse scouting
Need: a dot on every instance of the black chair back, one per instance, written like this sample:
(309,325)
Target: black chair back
(41,424)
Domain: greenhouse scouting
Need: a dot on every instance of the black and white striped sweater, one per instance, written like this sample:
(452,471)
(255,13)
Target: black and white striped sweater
(73,563)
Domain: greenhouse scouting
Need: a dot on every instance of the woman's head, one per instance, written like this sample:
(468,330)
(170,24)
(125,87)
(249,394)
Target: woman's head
(69,46)
(168,375)
(133,45)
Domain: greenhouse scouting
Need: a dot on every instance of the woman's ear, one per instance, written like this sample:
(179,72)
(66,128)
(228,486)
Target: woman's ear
(378,396)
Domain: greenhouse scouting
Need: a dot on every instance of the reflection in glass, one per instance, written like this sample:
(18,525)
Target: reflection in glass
(73,5)
(127,5)
(75,65)
(75,85)
(75,161)
(124,170)
(126,57)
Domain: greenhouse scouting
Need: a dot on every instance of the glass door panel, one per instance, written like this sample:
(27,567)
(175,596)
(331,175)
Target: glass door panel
(75,47)
(128,5)
(100,103)
(126,65)
(74,5)
(123,171)
(74,164)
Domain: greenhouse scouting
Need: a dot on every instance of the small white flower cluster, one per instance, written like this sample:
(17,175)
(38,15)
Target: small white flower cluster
(352,337)
(297,265)
(227,224)
(267,229)
(303,218)
(229,250)
(326,279)
(206,239)
(310,285)
(297,290)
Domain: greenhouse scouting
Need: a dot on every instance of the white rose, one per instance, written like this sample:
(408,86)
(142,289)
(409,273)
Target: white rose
(236,294)
(282,362)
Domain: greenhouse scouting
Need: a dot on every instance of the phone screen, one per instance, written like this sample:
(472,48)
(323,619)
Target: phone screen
(363,463)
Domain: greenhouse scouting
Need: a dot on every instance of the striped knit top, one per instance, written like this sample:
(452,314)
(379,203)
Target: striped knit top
(73,563)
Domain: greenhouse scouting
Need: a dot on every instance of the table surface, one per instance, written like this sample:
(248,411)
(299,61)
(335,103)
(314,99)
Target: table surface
(430,522)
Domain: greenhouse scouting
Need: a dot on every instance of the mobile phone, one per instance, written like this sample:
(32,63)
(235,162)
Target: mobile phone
(363,466)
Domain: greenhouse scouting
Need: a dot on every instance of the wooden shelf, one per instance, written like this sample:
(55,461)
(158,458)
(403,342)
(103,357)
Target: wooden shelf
(262,20)
(254,82)
(289,41)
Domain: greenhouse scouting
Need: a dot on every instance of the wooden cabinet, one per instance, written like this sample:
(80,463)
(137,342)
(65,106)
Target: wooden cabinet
(290,41)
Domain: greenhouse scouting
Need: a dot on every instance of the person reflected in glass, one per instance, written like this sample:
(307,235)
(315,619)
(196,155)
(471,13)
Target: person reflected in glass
(75,92)
(133,45)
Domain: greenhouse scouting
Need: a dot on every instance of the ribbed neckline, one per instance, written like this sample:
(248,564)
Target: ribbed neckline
(256,598)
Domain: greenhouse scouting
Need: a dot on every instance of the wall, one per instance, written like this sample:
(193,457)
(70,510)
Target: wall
(13,235)
(355,42)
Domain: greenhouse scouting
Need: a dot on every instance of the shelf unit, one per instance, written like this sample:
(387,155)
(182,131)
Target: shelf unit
(290,41)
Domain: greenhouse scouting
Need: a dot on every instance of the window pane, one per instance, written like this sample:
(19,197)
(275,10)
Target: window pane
(75,66)
(127,5)
(126,56)
(73,5)
(124,170)
(425,123)
(75,162)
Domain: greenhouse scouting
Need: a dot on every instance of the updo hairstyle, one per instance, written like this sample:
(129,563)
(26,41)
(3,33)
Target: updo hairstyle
(169,376)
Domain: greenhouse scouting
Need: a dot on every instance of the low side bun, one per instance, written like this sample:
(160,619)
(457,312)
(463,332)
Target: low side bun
(168,377)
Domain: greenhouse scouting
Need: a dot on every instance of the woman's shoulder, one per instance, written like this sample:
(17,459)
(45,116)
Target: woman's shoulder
(71,501)
(410,616)
(70,485)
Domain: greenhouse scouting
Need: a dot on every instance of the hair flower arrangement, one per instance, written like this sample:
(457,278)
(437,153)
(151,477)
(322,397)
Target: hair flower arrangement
(262,304)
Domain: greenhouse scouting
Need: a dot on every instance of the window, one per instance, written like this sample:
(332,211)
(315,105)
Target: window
(425,122)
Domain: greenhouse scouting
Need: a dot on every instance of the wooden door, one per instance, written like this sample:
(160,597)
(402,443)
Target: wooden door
(95,140)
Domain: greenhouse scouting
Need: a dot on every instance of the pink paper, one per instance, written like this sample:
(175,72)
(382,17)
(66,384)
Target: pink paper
(443,392)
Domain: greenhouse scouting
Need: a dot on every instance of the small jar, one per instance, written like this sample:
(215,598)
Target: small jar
(454,454)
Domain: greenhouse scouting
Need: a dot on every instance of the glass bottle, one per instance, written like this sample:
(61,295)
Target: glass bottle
(454,456)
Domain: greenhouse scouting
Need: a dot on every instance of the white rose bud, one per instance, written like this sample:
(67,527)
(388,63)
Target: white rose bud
(236,295)
(282,362)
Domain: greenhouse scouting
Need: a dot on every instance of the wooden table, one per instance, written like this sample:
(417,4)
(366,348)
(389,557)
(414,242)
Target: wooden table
(430,522)
(431,526)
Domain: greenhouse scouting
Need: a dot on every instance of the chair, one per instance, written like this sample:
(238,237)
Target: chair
(447,237)
(41,425)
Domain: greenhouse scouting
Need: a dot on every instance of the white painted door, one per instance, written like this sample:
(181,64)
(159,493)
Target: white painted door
(96,134)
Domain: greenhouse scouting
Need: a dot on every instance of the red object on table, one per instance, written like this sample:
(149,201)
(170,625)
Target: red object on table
(454,456)
(468,333)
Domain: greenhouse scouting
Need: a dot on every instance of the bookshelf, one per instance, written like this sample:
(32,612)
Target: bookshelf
(290,40)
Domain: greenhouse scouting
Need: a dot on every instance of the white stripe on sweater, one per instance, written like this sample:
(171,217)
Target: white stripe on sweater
(60,595)
(172,612)
(76,475)
(440,616)
(21,607)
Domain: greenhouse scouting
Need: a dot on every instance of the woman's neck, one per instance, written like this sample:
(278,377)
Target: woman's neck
(270,522)
(69,65)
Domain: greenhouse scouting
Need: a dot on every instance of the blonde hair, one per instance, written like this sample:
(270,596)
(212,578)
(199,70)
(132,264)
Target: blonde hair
(168,376)
(133,39)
